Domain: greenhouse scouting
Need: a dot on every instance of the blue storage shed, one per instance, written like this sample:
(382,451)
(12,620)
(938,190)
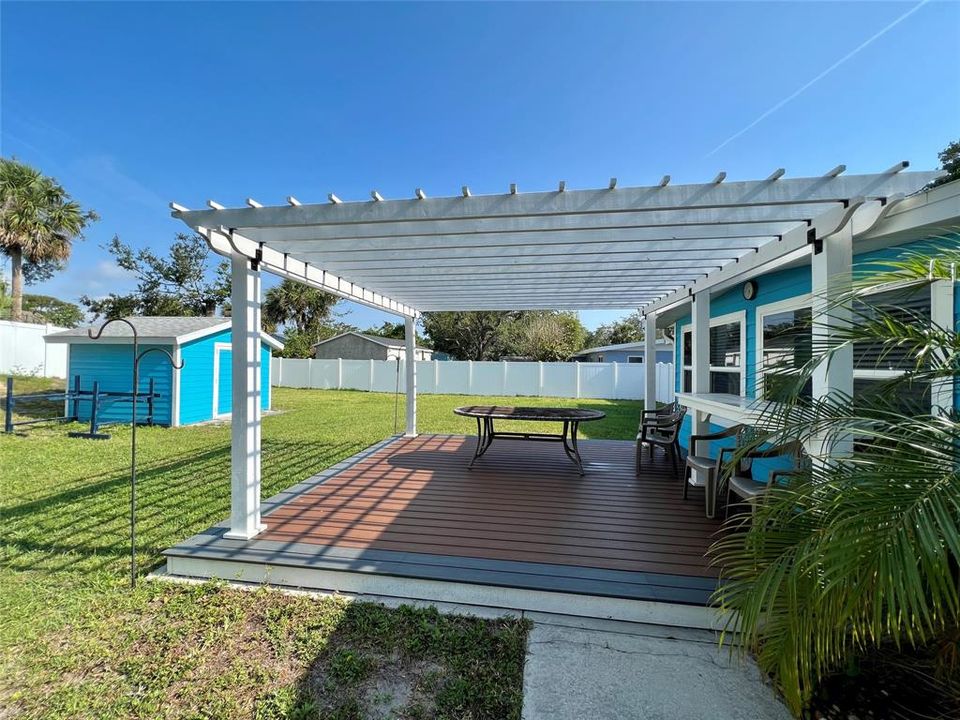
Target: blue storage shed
(198,392)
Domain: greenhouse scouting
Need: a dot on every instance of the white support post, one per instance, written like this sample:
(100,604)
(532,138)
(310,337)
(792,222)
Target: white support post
(650,361)
(831,272)
(245,414)
(701,354)
(410,336)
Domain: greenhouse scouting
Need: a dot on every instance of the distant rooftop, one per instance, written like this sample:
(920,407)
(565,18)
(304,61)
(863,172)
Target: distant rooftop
(661,344)
(379,339)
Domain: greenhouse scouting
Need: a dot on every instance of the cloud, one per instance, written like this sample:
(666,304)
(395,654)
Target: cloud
(105,172)
(107,270)
(819,77)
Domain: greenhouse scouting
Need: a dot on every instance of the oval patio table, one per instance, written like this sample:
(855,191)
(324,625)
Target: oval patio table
(570,417)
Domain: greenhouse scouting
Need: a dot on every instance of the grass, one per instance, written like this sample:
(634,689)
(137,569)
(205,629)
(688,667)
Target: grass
(76,642)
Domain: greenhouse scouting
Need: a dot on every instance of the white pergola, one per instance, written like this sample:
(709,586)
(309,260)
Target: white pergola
(655,248)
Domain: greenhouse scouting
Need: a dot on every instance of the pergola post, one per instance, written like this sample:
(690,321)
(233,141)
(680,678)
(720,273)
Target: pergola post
(245,413)
(831,268)
(701,354)
(410,336)
(650,361)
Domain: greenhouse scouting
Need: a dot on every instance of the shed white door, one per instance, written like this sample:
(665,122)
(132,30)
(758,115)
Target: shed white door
(222,379)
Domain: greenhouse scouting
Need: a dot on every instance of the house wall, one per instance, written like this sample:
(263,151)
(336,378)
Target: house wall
(780,286)
(111,365)
(197,376)
(350,347)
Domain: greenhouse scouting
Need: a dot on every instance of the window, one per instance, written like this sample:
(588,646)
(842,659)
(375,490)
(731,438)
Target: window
(726,350)
(786,345)
(727,365)
(874,363)
(635,359)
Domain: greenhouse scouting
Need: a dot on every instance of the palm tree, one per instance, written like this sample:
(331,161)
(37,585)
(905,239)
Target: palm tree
(861,553)
(38,222)
(291,303)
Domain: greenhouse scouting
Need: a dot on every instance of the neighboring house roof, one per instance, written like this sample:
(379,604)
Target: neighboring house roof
(160,330)
(660,345)
(378,339)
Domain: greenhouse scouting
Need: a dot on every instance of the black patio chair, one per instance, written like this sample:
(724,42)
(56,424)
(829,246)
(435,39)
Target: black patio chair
(664,433)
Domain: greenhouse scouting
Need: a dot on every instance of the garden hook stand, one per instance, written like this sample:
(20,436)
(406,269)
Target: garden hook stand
(137,357)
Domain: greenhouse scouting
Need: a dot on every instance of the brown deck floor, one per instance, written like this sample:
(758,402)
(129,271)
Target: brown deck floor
(521,502)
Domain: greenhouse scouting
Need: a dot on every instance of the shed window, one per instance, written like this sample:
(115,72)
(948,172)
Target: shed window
(726,357)
(635,358)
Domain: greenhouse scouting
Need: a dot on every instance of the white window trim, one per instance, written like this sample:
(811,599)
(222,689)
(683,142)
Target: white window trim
(941,314)
(683,366)
(217,349)
(799,302)
(739,316)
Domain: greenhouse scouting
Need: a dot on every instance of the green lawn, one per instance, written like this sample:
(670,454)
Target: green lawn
(75,642)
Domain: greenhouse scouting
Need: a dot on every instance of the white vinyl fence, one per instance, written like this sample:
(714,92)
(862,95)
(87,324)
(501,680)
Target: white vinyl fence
(615,381)
(23,351)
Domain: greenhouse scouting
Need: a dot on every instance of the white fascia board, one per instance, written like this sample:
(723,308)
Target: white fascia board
(937,209)
(197,334)
(725,196)
(108,340)
(230,244)
(271,341)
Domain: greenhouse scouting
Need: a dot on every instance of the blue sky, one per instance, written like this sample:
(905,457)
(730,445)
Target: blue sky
(131,105)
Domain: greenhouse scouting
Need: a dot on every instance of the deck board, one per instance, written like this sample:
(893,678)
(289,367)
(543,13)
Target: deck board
(522,501)
(521,518)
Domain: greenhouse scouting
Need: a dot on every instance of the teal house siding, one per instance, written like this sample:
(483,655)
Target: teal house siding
(203,357)
(777,287)
(111,366)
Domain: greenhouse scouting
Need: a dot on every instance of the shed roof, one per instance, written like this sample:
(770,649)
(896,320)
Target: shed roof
(378,339)
(615,247)
(158,330)
(661,344)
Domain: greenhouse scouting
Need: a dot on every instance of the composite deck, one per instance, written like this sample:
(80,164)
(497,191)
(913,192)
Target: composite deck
(521,518)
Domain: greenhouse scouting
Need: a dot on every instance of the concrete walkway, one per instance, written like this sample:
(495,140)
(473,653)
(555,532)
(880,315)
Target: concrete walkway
(582,669)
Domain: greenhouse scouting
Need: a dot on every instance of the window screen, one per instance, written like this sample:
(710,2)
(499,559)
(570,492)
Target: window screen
(908,305)
(725,345)
(787,345)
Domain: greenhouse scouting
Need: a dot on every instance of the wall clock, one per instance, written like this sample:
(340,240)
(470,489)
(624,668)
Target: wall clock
(749,290)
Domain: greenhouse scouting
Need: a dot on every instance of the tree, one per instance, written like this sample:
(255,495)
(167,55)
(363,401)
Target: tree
(53,310)
(625,330)
(398,330)
(304,312)
(474,335)
(548,336)
(858,555)
(38,223)
(949,162)
(179,284)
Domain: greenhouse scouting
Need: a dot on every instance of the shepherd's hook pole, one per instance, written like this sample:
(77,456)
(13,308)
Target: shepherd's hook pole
(137,357)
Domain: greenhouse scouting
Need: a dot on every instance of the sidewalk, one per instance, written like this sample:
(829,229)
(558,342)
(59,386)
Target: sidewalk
(582,669)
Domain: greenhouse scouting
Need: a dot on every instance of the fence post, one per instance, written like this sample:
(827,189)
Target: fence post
(503,378)
(539,378)
(370,389)
(76,398)
(577,381)
(339,373)
(93,408)
(150,388)
(615,393)
(8,407)
(470,377)
(436,376)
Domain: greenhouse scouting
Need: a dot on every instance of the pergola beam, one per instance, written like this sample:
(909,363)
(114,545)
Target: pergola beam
(231,244)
